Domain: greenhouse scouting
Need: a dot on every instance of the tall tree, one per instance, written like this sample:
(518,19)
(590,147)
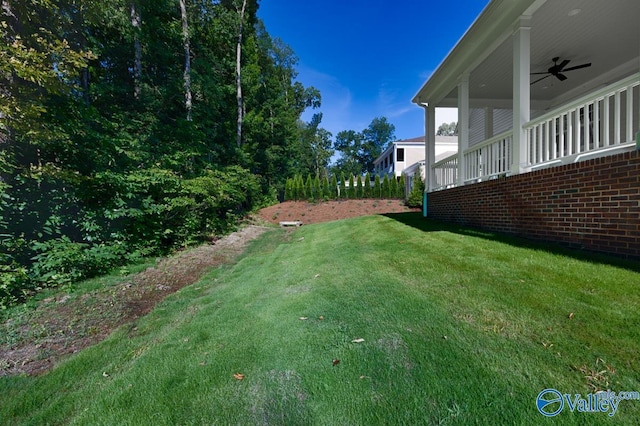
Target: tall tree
(359,149)
(448,129)
(136,23)
(187,58)
(240,104)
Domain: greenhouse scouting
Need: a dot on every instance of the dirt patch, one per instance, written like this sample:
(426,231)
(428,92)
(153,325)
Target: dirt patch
(65,324)
(307,212)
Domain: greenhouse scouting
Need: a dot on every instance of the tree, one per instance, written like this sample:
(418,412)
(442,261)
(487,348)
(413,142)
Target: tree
(401,187)
(448,129)
(366,193)
(386,193)
(187,58)
(377,188)
(393,187)
(359,149)
(351,191)
(415,197)
(333,194)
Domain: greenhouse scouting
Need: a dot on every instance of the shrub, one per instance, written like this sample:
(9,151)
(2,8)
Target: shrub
(377,189)
(308,188)
(401,188)
(343,188)
(326,188)
(393,187)
(385,187)
(359,187)
(367,186)
(333,190)
(351,191)
(416,194)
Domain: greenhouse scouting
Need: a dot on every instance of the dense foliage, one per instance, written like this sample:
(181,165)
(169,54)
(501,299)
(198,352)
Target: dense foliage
(130,127)
(349,188)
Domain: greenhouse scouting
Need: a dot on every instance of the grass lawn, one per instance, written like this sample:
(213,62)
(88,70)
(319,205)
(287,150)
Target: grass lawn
(375,320)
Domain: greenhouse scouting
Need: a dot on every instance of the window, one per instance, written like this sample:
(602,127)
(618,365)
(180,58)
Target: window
(400,154)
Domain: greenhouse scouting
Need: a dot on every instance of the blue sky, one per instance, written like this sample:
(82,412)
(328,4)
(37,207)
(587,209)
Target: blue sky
(369,58)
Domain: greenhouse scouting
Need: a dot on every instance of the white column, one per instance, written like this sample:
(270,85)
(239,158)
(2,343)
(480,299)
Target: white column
(429,145)
(463,126)
(521,93)
(488,123)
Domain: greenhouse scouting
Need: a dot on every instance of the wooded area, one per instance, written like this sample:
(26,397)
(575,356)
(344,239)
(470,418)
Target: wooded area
(131,127)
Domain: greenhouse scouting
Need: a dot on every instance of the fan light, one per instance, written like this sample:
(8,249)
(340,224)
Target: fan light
(574,12)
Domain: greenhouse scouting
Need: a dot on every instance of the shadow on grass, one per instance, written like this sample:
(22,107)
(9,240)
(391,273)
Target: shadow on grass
(415,220)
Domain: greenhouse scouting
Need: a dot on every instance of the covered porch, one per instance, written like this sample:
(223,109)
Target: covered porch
(537,84)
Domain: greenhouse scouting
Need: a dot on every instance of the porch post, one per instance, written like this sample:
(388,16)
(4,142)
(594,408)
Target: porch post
(429,145)
(488,123)
(463,126)
(521,92)
(429,152)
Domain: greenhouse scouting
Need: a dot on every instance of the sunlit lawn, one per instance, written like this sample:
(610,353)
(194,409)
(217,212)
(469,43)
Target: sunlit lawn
(375,320)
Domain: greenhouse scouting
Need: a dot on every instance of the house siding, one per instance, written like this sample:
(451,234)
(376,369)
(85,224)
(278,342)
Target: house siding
(592,205)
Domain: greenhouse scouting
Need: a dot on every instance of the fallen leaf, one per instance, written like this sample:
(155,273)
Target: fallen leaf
(203,363)
(571,315)
(316,275)
(320,317)
(304,318)
(357,341)
(444,337)
(238,376)
(336,362)
(105,374)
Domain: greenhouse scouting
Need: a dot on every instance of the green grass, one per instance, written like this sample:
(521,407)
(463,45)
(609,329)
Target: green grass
(459,327)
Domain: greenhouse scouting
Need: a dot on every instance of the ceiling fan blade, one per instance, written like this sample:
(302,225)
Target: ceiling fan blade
(534,73)
(561,77)
(577,67)
(563,64)
(540,79)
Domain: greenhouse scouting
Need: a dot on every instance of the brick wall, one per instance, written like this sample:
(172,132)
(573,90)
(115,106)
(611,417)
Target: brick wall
(593,205)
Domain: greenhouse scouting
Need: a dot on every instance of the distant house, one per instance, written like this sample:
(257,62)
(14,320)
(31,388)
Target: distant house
(406,153)
(548,98)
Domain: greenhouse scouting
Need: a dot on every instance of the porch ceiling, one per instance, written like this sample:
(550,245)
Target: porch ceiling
(603,32)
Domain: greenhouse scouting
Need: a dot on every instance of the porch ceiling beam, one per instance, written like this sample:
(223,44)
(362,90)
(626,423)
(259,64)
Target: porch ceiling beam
(494,103)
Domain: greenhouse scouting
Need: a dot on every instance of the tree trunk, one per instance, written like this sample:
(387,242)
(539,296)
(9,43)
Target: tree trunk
(187,59)
(239,73)
(137,61)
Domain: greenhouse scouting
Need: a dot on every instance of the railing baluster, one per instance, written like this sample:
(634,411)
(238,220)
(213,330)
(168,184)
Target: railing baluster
(616,118)
(596,124)
(630,115)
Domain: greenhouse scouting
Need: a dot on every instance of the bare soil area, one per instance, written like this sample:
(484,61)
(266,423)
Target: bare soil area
(32,342)
(307,212)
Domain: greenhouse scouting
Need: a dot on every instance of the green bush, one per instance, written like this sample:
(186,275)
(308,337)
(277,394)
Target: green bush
(366,193)
(333,190)
(343,188)
(416,194)
(73,228)
(377,188)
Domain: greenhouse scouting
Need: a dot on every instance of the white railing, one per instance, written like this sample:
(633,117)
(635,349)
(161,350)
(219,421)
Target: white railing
(445,173)
(489,159)
(605,120)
